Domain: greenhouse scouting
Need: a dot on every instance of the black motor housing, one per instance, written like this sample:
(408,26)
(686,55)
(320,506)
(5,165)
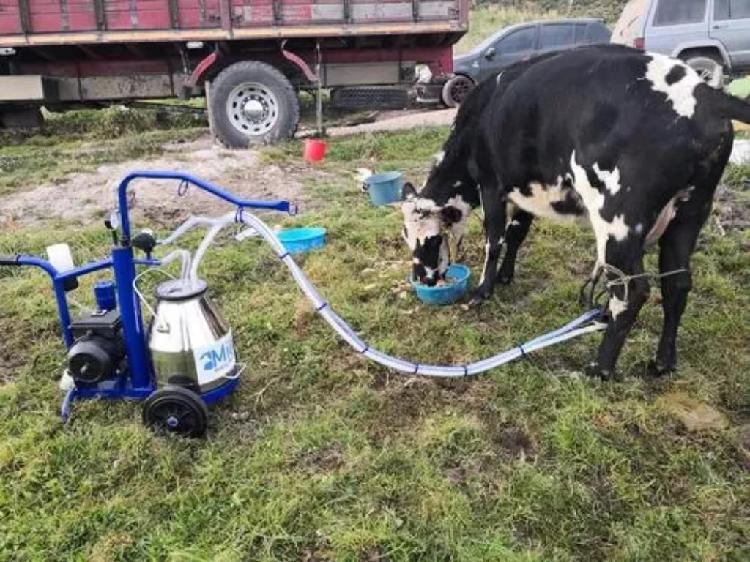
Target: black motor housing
(99,347)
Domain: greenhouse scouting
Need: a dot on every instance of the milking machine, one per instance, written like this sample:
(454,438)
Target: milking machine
(186,358)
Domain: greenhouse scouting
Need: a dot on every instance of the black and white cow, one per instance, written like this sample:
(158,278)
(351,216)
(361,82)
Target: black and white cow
(633,142)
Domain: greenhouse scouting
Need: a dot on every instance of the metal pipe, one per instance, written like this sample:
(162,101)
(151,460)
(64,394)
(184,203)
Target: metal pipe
(122,195)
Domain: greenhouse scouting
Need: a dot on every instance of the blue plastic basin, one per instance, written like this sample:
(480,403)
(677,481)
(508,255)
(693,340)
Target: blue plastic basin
(457,278)
(384,188)
(301,240)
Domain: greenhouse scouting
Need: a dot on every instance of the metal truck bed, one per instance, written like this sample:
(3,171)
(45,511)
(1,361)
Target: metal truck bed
(79,22)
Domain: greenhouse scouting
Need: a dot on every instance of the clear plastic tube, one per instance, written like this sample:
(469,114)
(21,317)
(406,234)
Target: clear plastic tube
(578,327)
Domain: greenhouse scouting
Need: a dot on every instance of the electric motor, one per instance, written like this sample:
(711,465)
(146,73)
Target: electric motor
(99,348)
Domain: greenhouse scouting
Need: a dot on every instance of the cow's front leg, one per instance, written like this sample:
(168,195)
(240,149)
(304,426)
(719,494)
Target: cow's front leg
(515,234)
(494,229)
(627,296)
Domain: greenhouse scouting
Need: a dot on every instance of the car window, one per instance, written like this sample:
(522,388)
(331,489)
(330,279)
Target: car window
(731,9)
(675,12)
(517,41)
(580,31)
(597,33)
(557,35)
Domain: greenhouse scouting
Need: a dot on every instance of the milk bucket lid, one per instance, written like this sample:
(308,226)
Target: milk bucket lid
(180,290)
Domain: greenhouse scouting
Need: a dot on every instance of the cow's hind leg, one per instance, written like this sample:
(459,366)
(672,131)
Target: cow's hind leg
(628,292)
(675,248)
(494,208)
(515,234)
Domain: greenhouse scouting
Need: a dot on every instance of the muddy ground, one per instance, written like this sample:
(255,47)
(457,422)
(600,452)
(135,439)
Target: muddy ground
(84,196)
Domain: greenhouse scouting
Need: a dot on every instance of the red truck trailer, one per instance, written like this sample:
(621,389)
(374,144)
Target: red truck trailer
(250,57)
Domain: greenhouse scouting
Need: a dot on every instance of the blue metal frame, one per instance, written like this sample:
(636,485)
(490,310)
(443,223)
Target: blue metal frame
(138,382)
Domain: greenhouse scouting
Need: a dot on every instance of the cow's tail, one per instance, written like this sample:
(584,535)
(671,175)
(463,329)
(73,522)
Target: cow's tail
(728,106)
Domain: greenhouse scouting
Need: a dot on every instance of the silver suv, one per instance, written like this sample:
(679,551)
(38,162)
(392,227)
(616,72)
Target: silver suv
(712,36)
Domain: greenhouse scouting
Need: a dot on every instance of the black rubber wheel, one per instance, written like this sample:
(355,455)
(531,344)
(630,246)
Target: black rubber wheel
(456,89)
(177,410)
(252,103)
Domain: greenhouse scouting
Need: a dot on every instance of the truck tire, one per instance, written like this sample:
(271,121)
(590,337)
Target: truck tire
(709,68)
(456,89)
(252,103)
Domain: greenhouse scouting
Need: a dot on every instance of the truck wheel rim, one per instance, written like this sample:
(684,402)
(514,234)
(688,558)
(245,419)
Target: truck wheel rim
(252,109)
(460,89)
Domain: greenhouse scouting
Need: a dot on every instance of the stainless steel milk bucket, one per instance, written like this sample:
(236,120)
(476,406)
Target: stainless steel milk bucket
(190,343)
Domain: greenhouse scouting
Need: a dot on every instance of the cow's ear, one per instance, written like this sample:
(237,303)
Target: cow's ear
(450,214)
(408,192)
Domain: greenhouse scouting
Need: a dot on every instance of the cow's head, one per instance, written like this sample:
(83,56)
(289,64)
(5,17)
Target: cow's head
(428,229)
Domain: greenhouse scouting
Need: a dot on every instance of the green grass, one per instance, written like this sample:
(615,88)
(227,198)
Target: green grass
(322,456)
(80,141)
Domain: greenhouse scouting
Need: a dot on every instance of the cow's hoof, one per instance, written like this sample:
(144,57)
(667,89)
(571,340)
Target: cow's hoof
(595,372)
(479,296)
(655,369)
(504,279)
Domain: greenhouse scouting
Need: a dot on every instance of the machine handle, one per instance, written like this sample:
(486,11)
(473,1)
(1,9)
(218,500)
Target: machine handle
(9,260)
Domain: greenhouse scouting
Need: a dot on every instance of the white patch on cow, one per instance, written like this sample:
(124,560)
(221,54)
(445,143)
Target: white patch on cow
(681,94)
(458,229)
(499,77)
(457,183)
(486,260)
(617,307)
(593,200)
(540,202)
(514,223)
(611,180)
(639,228)
(618,229)
(421,220)
(444,261)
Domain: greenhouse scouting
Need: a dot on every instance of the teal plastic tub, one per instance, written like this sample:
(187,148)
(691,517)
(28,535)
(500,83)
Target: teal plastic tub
(457,278)
(302,240)
(384,188)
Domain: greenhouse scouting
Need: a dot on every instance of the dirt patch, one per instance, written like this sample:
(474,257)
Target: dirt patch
(740,152)
(322,460)
(695,416)
(733,211)
(399,121)
(87,196)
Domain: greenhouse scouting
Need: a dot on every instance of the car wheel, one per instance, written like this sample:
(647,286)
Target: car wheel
(252,103)
(709,69)
(456,89)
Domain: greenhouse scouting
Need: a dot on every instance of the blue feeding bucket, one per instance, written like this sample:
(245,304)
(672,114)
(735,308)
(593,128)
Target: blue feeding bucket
(384,188)
(457,282)
(302,240)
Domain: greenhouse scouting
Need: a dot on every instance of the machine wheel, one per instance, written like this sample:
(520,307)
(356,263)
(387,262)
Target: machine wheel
(708,68)
(252,103)
(177,410)
(456,89)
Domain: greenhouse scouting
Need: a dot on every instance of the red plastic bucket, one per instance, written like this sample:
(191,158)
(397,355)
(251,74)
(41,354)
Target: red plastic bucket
(315,150)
